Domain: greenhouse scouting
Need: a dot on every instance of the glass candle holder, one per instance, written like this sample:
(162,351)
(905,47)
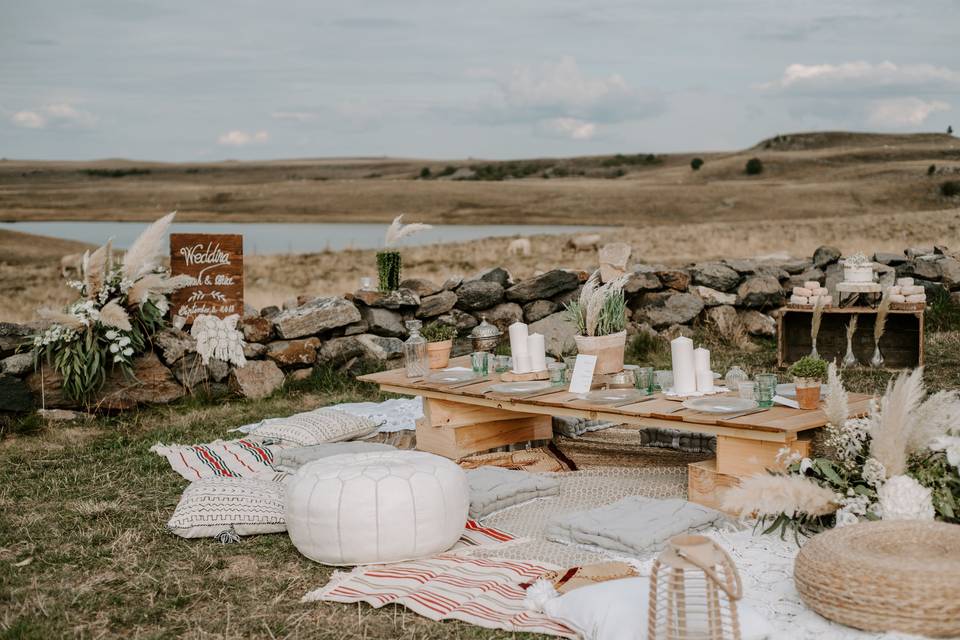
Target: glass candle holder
(501,364)
(663,379)
(645,379)
(479,362)
(766,388)
(557,373)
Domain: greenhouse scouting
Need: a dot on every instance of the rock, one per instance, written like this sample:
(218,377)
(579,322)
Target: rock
(642,328)
(760,291)
(19,364)
(356,328)
(674,331)
(292,353)
(712,297)
(825,255)
(675,279)
(497,274)
(925,267)
(218,369)
(463,321)
(832,276)
(886,275)
(758,324)
(545,285)
(558,332)
(941,250)
(794,266)
(299,374)
(680,308)
(724,318)
(642,278)
(437,304)
(715,275)
(773,271)
(12,336)
(250,311)
(63,415)
(421,286)
(257,379)
(891,259)
(503,315)
(384,322)
(256,329)
(798,279)
(613,260)
(452,283)
(922,250)
(190,371)
(316,316)
(381,348)
(151,383)
(564,298)
(339,351)
(174,344)
(269,312)
(538,309)
(478,294)
(15,396)
(742,265)
(254,350)
(651,299)
(392,300)
(950,273)
(929,288)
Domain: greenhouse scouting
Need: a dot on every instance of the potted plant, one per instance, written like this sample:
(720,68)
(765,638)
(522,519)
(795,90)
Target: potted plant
(388,259)
(808,374)
(600,317)
(857,268)
(439,343)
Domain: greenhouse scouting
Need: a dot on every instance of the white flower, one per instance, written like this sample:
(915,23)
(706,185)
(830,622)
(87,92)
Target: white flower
(124,341)
(112,335)
(128,352)
(874,472)
(114,348)
(787,456)
(951,445)
(805,465)
(845,517)
(903,498)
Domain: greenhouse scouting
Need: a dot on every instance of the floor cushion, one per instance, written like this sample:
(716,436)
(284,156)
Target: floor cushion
(292,458)
(228,507)
(496,488)
(634,525)
(315,427)
(382,506)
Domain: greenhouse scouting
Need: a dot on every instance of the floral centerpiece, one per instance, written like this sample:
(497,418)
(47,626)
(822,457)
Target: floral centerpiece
(900,462)
(600,317)
(388,260)
(123,302)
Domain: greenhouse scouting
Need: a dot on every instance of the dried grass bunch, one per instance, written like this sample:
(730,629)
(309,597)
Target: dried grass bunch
(601,308)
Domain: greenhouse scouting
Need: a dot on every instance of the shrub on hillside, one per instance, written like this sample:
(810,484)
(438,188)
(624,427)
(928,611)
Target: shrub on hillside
(754,167)
(425,173)
(932,169)
(950,189)
(696,163)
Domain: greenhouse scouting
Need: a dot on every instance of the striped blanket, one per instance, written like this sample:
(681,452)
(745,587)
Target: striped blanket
(481,591)
(241,458)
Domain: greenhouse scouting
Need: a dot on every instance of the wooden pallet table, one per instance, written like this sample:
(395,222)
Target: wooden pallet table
(461,420)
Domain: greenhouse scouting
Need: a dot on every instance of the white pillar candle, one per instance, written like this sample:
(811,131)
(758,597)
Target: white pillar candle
(518,347)
(681,353)
(705,381)
(521,363)
(538,354)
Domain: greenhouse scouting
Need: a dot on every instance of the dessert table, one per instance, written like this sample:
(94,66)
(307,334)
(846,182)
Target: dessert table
(461,419)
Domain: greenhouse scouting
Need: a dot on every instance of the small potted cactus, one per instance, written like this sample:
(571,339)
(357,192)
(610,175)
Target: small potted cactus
(808,374)
(439,343)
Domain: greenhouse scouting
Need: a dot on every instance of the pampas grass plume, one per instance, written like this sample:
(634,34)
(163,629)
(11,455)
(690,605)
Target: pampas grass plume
(397,230)
(880,325)
(147,251)
(113,315)
(837,404)
(892,423)
(939,414)
(95,266)
(59,317)
(767,495)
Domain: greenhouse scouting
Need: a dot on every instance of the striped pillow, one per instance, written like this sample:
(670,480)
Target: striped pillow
(315,427)
(226,508)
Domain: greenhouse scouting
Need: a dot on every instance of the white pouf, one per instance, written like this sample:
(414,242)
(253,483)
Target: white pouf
(382,506)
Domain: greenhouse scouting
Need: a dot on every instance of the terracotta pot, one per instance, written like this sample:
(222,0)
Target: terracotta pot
(808,393)
(438,353)
(608,349)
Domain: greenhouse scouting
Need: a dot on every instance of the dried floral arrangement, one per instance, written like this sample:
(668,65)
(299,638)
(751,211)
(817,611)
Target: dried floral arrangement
(601,308)
(388,261)
(122,304)
(901,462)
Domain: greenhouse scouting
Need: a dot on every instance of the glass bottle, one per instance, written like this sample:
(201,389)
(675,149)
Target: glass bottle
(734,377)
(415,351)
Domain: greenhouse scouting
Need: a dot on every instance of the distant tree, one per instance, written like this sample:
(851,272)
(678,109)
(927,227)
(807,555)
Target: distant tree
(950,189)
(425,173)
(932,169)
(696,163)
(754,167)
(949,130)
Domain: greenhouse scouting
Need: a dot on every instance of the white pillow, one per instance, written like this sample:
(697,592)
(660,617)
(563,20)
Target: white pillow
(229,507)
(617,610)
(315,427)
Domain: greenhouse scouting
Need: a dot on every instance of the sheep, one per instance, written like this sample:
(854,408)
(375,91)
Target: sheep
(519,247)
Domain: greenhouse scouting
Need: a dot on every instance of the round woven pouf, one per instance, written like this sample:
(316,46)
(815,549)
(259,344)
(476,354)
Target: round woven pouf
(885,576)
(382,506)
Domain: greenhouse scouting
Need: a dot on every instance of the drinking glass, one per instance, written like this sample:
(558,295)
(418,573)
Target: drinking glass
(664,379)
(501,364)
(766,388)
(644,380)
(557,372)
(747,390)
(478,359)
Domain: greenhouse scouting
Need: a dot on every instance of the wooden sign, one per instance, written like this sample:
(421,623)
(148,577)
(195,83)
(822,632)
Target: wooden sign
(215,261)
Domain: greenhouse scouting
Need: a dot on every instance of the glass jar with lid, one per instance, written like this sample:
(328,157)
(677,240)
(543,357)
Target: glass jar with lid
(415,351)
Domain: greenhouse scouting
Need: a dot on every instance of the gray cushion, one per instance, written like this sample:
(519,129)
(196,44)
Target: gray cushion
(496,488)
(293,458)
(572,427)
(633,525)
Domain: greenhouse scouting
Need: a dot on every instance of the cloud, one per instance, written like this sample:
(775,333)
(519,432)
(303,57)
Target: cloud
(237,138)
(55,115)
(859,76)
(569,128)
(898,113)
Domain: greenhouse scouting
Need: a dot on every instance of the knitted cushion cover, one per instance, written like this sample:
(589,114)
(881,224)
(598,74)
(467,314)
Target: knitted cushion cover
(315,427)
(228,507)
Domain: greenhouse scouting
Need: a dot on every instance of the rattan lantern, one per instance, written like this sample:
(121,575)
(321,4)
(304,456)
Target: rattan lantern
(694,588)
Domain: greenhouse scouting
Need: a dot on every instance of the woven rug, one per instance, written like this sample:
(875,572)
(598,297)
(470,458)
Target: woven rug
(220,459)
(483,592)
(622,448)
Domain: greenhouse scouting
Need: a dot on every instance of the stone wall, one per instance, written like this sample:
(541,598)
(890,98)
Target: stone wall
(368,327)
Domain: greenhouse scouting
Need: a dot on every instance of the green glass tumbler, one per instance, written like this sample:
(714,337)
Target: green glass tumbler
(766,388)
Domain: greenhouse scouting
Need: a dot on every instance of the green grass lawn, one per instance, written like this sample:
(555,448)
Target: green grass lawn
(84,551)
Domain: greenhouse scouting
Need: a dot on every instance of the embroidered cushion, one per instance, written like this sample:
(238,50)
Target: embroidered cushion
(496,488)
(225,507)
(292,458)
(376,507)
(315,427)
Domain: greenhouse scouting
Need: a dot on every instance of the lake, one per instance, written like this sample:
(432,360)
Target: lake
(281,237)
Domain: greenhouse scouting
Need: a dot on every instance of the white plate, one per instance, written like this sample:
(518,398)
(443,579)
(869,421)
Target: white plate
(724,404)
(451,376)
(614,396)
(789,390)
(522,387)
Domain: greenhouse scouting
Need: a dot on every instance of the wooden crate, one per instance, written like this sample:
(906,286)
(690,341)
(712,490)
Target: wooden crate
(742,457)
(901,344)
(706,485)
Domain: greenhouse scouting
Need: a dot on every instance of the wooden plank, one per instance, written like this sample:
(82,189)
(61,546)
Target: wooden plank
(215,262)
(457,442)
(706,485)
(745,457)
(447,413)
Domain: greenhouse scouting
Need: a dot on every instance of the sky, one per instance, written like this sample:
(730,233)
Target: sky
(210,80)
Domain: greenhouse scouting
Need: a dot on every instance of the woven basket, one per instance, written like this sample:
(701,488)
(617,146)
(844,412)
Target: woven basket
(885,576)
